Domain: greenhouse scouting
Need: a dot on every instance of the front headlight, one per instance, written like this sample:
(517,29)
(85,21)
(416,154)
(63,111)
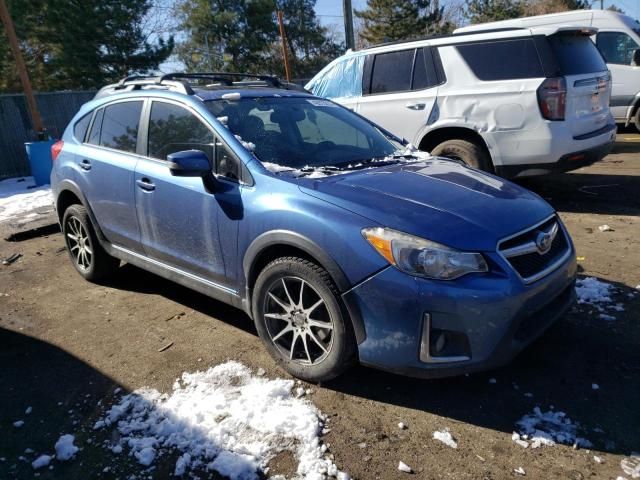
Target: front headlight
(423,258)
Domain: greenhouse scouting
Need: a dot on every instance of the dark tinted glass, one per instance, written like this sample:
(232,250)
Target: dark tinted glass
(94,137)
(81,126)
(120,126)
(502,60)
(392,72)
(576,54)
(424,74)
(174,129)
(616,47)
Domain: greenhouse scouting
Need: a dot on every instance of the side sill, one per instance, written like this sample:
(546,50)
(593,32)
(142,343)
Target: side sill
(186,279)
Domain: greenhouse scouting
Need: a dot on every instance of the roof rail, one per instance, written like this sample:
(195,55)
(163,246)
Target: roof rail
(225,77)
(444,35)
(180,82)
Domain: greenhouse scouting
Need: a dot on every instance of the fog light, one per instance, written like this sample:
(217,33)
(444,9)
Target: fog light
(442,346)
(441,340)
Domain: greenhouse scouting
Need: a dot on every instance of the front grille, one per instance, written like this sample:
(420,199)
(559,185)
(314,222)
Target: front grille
(525,256)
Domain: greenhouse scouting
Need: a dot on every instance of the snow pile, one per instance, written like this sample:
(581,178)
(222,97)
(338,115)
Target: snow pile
(598,294)
(222,419)
(631,465)
(41,461)
(65,449)
(19,196)
(445,437)
(248,145)
(403,467)
(548,428)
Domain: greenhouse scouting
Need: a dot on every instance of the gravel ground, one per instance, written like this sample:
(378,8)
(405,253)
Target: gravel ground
(67,345)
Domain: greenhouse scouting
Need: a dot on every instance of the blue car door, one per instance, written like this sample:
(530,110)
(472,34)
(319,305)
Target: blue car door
(106,162)
(183,224)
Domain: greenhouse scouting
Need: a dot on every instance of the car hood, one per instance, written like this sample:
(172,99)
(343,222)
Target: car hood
(437,199)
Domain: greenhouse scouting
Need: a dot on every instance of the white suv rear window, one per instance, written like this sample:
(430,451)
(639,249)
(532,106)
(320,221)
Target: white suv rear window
(502,59)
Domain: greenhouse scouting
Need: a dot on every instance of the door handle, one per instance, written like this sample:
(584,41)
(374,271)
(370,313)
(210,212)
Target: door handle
(416,106)
(85,164)
(145,184)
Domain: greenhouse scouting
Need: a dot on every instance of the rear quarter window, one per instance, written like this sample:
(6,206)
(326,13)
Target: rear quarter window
(503,59)
(81,126)
(576,54)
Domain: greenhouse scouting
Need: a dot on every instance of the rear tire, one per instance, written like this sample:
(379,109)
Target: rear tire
(636,119)
(87,255)
(299,317)
(472,154)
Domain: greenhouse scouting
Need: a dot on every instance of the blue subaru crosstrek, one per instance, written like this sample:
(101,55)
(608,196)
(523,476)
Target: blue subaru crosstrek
(340,241)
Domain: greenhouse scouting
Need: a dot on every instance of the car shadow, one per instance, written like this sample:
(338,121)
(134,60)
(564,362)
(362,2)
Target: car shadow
(53,393)
(557,371)
(134,279)
(588,192)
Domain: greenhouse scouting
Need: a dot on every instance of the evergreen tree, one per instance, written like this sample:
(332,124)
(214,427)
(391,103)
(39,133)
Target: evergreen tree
(80,44)
(390,20)
(243,36)
(482,11)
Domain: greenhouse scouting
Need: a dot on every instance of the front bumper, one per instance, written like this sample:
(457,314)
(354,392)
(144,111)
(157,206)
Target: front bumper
(497,312)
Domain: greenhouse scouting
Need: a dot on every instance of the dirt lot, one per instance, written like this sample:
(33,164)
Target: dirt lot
(66,344)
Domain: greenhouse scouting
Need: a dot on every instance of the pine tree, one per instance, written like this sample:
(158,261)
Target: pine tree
(482,11)
(243,36)
(80,44)
(390,20)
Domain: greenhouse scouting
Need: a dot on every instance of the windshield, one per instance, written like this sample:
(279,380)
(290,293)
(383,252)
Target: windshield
(297,132)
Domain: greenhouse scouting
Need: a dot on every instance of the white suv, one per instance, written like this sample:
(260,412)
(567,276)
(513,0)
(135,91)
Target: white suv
(519,102)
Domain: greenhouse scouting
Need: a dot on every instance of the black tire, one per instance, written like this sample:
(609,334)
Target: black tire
(86,254)
(636,119)
(337,342)
(468,152)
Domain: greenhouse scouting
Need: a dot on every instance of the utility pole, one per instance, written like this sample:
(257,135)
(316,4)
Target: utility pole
(22,69)
(285,55)
(348,24)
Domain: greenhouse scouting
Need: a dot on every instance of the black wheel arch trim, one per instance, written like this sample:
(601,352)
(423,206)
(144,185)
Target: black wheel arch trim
(293,239)
(69,185)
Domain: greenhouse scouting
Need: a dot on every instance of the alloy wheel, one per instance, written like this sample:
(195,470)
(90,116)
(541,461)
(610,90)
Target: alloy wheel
(79,243)
(301,329)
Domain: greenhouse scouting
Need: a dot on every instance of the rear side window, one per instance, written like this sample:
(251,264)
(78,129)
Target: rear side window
(94,136)
(342,79)
(120,126)
(392,72)
(173,129)
(616,47)
(502,60)
(576,54)
(81,126)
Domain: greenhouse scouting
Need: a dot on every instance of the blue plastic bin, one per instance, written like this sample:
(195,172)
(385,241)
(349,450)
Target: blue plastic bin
(39,154)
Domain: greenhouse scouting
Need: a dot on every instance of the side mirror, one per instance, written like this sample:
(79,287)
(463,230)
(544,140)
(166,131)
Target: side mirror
(189,163)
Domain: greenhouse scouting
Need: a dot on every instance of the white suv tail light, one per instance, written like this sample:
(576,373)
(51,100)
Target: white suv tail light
(552,96)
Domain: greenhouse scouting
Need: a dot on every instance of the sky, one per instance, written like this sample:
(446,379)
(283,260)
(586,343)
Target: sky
(330,14)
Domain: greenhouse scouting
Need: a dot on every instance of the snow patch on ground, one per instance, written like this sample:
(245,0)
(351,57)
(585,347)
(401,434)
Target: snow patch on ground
(546,429)
(41,461)
(65,449)
(445,437)
(19,196)
(631,465)
(598,294)
(223,419)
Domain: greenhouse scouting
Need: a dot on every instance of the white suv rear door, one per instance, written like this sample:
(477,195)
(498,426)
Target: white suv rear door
(400,90)
(588,83)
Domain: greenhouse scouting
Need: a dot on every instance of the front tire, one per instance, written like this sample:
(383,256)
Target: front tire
(468,152)
(299,318)
(87,255)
